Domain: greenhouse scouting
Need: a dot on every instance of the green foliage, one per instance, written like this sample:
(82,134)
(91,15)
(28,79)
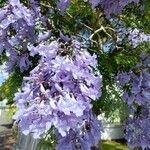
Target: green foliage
(138,16)
(48,142)
(109,65)
(112,145)
(2,2)
(10,86)
(111,104)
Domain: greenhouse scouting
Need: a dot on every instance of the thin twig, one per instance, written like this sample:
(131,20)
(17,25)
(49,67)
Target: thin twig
(69,15)
(86,38)
(88,27)
(98,30)
(109,28)
(45,5)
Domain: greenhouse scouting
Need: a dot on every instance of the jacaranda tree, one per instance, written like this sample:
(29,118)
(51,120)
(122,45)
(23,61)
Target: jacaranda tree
(65,56)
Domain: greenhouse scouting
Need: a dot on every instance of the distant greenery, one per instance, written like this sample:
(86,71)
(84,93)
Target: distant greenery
(112,145)
(11,86)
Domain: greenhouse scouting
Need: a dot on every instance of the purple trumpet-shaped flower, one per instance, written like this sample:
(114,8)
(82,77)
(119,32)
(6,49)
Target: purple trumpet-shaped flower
(58,93)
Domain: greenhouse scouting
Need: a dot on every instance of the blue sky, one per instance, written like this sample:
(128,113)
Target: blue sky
(2,79)
(3,74)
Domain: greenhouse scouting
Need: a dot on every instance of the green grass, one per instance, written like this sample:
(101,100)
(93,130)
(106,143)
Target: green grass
(112,145)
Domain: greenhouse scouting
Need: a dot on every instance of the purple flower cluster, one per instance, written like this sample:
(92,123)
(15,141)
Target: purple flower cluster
(62,5)
(138,129)
(136,85)
(111,6)
(137,82)
(139,87)
(136,37)
(58,93)
(86,138)
(17,29)
(115,6)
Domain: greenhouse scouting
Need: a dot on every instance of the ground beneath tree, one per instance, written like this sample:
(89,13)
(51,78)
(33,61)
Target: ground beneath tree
(6,137)
(6,133)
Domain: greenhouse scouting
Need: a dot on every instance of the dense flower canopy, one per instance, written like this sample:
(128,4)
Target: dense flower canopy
(112,6)
(137,94)
(68,52)
(17,30)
